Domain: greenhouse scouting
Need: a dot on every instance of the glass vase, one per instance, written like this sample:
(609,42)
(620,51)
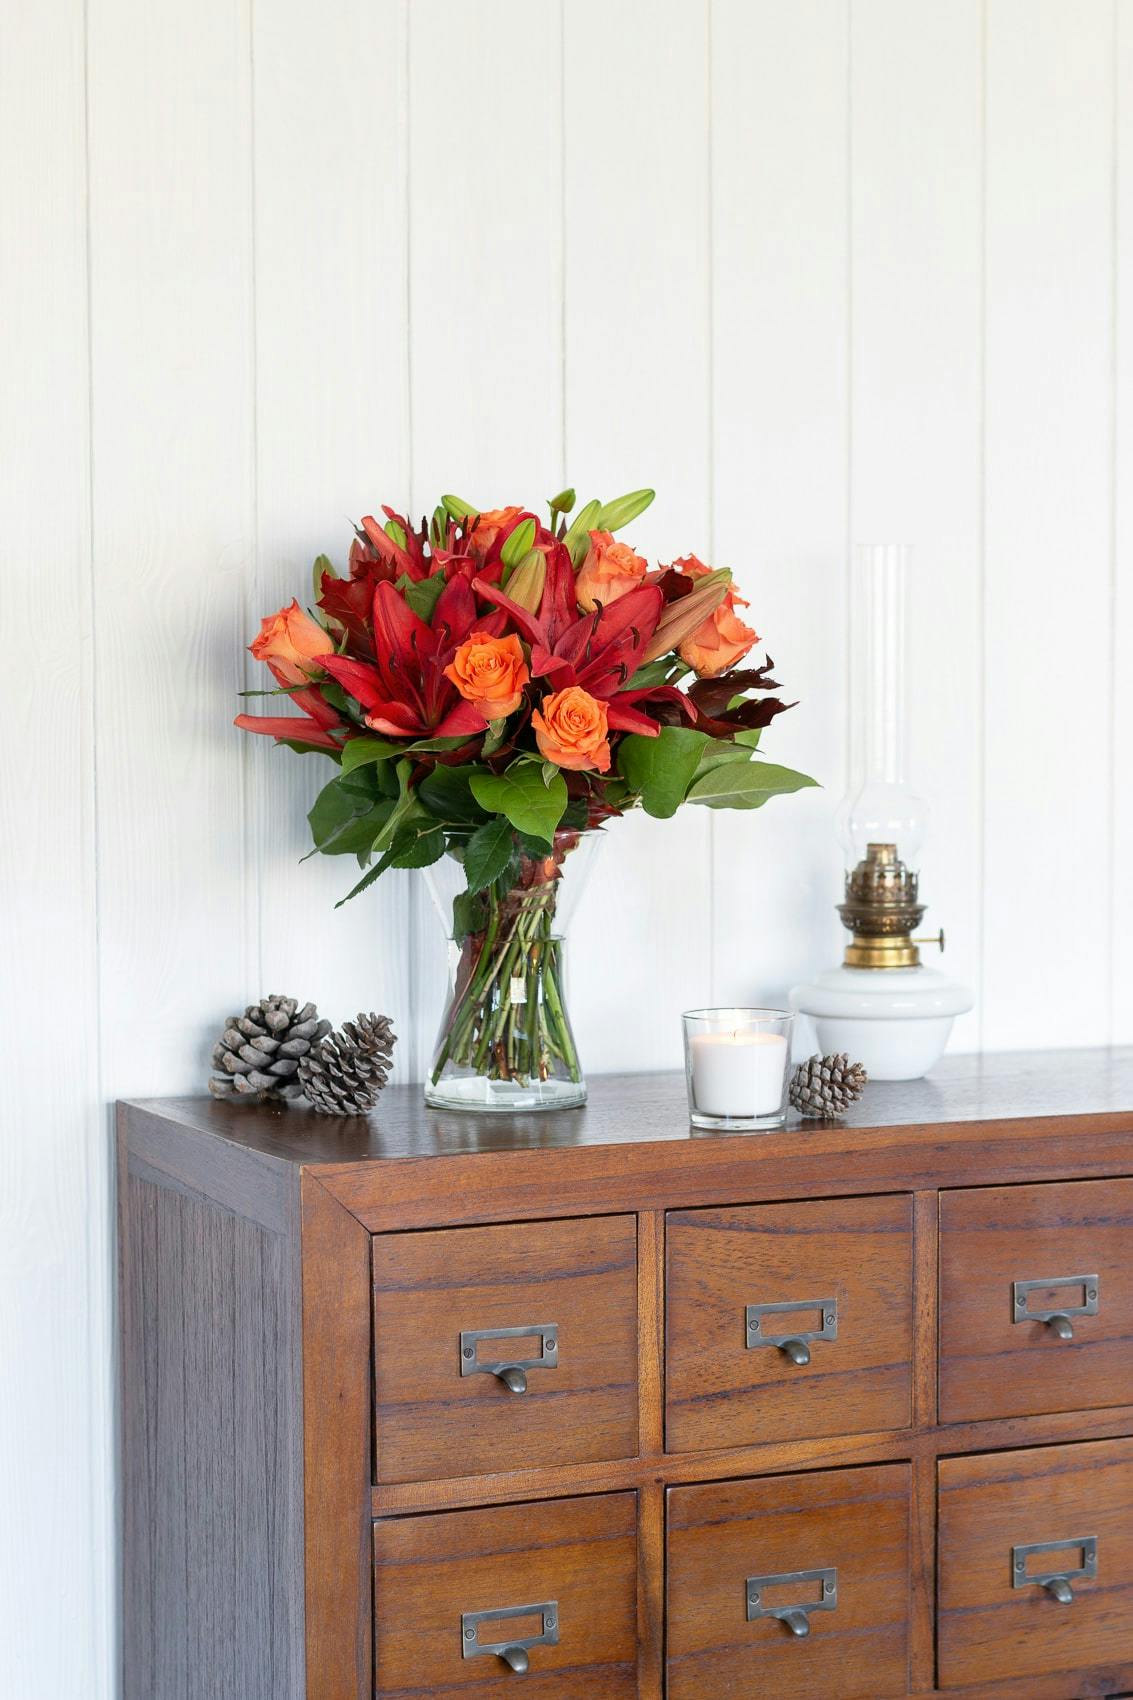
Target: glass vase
(505,1040)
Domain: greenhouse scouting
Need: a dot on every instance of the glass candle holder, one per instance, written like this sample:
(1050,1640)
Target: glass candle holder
(737,1064)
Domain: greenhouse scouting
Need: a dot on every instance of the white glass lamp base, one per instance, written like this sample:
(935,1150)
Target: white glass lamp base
(894,1021)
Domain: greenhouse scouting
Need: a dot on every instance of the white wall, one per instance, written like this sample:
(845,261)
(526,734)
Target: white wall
(819,271)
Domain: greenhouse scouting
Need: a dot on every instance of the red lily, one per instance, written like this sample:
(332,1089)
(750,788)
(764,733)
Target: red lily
(599,651)
(404,690)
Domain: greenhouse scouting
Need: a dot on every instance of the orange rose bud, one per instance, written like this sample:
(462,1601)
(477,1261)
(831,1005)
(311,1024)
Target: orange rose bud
(291,643)
(609,570)
(490,673)
(488,527)
(571,730)
(722,638)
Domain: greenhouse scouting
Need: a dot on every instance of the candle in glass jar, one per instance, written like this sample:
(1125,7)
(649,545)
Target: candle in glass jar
(739,1073)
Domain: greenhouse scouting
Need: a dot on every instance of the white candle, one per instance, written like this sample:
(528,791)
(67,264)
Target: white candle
(738,1074)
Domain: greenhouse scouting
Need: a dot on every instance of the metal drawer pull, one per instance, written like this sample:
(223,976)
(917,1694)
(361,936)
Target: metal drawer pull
(513,1653)
(1058,1321)
(795,1616)
(795,1345)
(511,1371)
(1058,1583)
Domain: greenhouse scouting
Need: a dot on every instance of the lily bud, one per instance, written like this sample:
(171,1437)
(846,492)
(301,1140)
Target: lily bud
(683,617)
(525,586)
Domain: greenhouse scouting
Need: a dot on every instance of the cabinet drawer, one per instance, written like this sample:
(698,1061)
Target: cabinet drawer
(1008,1253)
(555,1583)
(995,1620)
(841,1268)
(560,1297)
(846,1531)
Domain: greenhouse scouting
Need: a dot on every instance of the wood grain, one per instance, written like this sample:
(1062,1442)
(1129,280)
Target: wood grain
(990,1364)
(337,1448)
(722,1392)
(212,1519)
(581,1553)
(429,1288)
(856,1521)
(988,1504)
(733,1463)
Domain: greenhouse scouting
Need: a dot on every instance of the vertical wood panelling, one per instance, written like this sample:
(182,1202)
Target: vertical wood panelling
(779,459)
(1048,470)
(56,1627)
(332,443)
(1122,633)
(816,271)
(485,301)
(916,223)
(170,177)
(637,342)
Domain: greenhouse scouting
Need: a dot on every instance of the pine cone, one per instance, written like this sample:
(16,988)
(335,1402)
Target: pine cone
(343,1074)
(257,1056)
(826,1086)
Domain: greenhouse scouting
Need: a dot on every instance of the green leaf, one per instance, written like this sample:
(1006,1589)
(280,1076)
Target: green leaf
(417,847)
(613,515)
(661,769)
(487,853)
(397,532)
(562,503)
(323,568)
(746,784)
(360,834)
(719,752)
(469,913)
(577,538)
(446,793)
(662,672)
(520,795)
(359,751)
(331,810)
(518,543)
(749,736)
(458,509)
(422,594)
(494,737)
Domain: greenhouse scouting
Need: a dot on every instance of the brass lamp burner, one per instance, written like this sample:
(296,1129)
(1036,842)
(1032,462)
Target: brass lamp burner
(882,910)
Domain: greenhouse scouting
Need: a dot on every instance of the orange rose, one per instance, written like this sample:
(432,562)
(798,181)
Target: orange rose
(609,570)
(291,643)
(571,731)
(723,638)
(488,528)
(491,673)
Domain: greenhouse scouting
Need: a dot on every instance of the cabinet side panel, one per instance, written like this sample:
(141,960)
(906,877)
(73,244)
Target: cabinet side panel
(212,1486)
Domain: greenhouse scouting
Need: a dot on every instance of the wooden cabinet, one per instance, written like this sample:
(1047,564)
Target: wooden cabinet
(501,1347)
(1036,1562)
(1036,1299)
(796,1586)
(788,1321)
(840,1411)
(470,1599)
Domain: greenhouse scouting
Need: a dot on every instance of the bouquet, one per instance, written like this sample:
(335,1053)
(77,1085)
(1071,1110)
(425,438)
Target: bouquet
(492,687)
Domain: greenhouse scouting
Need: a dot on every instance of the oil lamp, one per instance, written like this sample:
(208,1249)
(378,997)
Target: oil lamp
(883,1006)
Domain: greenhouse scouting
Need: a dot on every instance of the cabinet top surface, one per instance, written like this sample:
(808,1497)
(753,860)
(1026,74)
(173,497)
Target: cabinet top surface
(632,1109)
